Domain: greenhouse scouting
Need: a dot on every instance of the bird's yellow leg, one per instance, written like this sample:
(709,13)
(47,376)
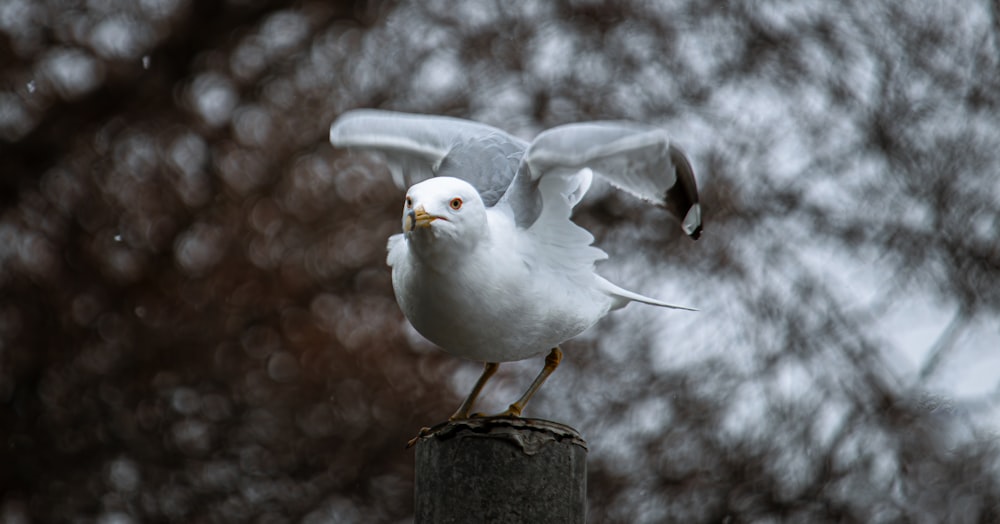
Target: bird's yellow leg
(463,411)
(551,363)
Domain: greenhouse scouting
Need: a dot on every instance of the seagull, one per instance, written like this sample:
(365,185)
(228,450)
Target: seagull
(489,266)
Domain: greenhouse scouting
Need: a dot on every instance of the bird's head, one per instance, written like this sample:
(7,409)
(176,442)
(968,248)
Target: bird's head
(444,211)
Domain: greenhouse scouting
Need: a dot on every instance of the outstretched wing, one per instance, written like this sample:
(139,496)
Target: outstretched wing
(418,147)
(637,158)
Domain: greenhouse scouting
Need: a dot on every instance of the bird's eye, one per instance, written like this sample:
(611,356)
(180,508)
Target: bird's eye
(409,202)
(456,203)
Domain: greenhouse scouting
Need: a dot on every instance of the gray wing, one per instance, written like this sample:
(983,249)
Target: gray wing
(637,158)
(417,147)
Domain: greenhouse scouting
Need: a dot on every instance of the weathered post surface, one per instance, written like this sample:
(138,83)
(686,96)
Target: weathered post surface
(501,470)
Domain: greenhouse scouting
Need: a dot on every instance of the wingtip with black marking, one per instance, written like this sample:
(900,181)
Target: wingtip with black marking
(682,198)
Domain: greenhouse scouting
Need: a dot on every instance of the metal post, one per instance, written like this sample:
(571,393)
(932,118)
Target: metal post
(501,470)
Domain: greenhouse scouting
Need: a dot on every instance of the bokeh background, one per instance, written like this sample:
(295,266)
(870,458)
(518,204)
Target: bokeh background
(197,324)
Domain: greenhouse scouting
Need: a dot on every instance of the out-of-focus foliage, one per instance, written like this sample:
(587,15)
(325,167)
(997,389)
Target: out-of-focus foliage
(196,324)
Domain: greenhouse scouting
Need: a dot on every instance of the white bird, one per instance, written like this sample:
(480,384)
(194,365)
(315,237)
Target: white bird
(489,265)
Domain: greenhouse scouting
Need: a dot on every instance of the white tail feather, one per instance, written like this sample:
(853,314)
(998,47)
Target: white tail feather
(623,296)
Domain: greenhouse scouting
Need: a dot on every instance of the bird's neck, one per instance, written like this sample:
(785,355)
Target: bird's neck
(445,251)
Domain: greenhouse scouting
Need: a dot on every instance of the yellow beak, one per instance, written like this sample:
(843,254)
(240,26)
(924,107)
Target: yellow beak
(418,217)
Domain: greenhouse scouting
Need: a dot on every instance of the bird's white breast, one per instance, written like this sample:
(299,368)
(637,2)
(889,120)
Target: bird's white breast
(489,305)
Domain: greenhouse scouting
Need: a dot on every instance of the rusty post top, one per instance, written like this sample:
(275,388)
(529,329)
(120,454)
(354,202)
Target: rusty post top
(527,434)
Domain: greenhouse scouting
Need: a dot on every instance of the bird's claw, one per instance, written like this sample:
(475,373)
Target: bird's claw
(424,431)
(511,411)
(466,416)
